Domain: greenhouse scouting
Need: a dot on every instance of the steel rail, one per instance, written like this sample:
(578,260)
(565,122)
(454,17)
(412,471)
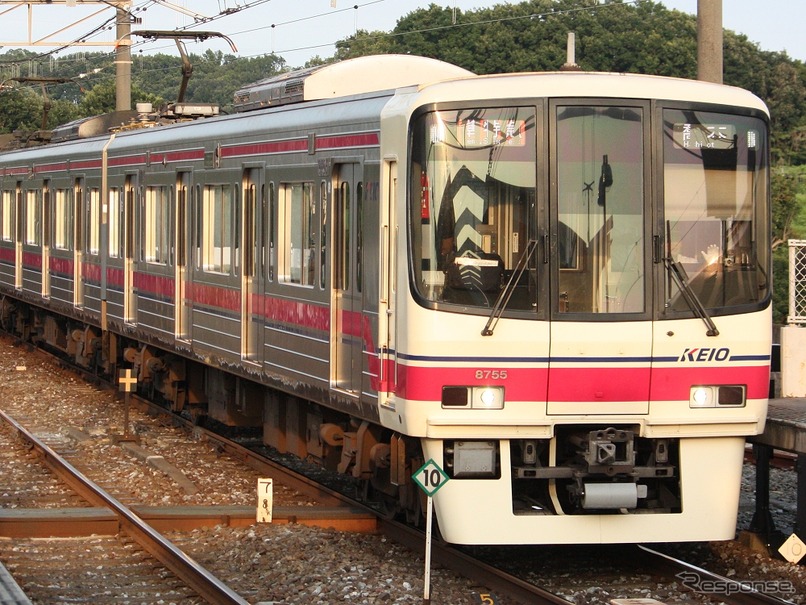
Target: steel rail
(286,476)
(413,539)
(491,577)
(703,581)
(281,474)
(733,593)
(188,570)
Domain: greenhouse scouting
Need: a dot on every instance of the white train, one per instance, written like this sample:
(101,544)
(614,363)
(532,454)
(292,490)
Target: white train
(555,286)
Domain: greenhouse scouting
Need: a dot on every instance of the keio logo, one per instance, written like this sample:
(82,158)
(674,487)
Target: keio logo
(705,354)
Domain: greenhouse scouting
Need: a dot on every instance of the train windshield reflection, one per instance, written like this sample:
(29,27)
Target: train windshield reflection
(715,184)
(473,205)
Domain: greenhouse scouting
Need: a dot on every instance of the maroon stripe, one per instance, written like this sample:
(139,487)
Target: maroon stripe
(32,260)
(361,139)
(266,147)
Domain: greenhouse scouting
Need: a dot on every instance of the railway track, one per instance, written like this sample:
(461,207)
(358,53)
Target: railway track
(201,581)
(507,587)
(696,578)
(692,579)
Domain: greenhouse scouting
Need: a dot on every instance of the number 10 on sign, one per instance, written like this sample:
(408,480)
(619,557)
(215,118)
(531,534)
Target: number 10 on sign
(430,477)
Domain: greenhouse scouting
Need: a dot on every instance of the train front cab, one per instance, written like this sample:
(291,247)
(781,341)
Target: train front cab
(587,341)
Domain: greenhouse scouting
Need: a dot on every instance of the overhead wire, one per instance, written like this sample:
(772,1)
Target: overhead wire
(229,11)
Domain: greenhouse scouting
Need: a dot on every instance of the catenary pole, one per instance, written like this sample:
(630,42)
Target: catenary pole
(709,40)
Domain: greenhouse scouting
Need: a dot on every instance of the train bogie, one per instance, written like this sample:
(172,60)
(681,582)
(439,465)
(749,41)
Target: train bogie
(555,286)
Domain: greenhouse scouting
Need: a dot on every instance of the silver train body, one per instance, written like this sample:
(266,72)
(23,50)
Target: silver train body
(554,287)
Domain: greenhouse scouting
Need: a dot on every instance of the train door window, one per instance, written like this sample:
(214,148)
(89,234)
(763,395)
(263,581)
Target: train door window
(7,215)
(182,213)
(247,227)
(157,226)
(359,235)
(270,226)
(33,217)
(63,226)
(297,226)
(94,222)
(264,213)
(323,234)
(115,222)
(343,245)
(600,204)
(79,202)
(128,222)
(217,228)
(196,221)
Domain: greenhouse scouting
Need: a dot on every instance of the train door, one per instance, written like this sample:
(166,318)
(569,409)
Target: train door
(601,329)
(18,237)
(182,307)
(78,242)
(129,205)
(387,313)
(346,332)
(46,234)
(249,261)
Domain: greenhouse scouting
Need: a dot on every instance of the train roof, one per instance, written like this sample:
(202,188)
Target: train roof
(346,78)
(587,84)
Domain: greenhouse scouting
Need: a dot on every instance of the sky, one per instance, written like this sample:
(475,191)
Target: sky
(300,29)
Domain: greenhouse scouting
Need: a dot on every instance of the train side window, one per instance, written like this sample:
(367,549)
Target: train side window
(297,228)
(7,210)
(114,223)
(94,225)
(157,227)
(217,241)
(63,226)
(33,217)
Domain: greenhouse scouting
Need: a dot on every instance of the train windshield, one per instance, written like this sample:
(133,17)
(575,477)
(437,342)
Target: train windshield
(715,187)
(473,207)
(600,199)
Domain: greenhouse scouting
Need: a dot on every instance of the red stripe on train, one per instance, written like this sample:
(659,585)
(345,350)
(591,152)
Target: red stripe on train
(582,383)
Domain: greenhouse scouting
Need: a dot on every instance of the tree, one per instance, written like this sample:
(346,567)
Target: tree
(361,44)
(786,224)
(20,109)
(785,206)
(101,98)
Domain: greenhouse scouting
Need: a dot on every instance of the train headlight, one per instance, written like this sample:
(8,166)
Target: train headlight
(718,396)
(488,398)
(477,398)
(702,397)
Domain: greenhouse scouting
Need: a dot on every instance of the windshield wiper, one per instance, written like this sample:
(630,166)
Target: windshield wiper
(503,298)
(681,279)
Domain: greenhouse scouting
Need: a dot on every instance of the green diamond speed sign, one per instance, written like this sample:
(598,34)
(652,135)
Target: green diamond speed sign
(430,477)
